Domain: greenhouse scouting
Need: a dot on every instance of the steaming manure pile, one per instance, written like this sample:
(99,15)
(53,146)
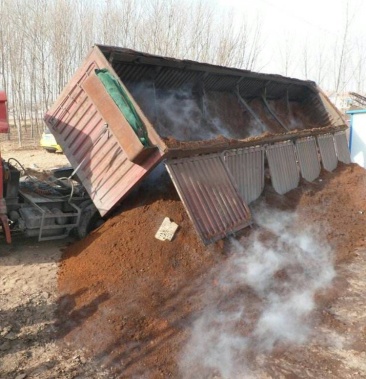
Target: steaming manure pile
(269,303)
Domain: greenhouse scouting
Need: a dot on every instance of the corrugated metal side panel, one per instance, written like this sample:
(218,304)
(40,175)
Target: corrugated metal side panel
(283,167)
(247,168)
(168,78)
(336,117)
(307,153)
(318,114)
(219,83)
(134,66)
(341,145)
(103,167)
(327,151)
(209,196)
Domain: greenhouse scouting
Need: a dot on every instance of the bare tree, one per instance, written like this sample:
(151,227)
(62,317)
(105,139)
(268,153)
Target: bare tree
(42,42)
(359,71)
(286,55)
(320,64)
(306,59)
(342,52)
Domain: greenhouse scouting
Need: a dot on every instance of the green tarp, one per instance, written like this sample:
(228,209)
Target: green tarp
(120,97)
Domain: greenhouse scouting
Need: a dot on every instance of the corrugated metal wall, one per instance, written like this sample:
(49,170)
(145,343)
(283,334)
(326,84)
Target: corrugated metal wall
(247,168)
(341,145)
(283,167)
(102,166)
(209,196)
(307,153)
(327,151)
(210,185)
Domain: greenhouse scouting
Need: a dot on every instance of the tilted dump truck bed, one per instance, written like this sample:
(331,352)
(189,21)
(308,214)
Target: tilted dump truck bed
(124,112)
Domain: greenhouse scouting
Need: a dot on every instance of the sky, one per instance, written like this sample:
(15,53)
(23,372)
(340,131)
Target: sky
(314,22)
(309,16)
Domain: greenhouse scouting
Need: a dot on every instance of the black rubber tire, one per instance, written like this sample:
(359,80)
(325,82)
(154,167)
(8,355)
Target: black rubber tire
(90,219)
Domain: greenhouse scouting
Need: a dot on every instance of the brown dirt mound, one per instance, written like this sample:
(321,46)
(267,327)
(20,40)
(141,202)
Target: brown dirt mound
(141,285)
(336,203)
(128,297)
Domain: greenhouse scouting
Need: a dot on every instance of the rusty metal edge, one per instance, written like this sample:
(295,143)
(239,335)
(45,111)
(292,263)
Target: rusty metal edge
(137,57)
(186,149)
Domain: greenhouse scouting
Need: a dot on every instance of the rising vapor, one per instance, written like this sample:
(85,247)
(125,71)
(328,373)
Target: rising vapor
(263,298)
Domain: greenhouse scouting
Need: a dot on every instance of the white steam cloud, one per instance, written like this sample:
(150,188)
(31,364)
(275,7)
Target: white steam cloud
(186,115)
(180,115)
(262,298)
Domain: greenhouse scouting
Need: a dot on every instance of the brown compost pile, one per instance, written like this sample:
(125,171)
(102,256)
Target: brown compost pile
(130,300)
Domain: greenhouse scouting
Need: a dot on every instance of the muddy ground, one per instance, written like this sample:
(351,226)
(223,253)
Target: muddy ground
(282,300)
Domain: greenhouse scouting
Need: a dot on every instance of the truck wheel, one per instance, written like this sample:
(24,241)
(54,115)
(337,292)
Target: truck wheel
(90,219)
